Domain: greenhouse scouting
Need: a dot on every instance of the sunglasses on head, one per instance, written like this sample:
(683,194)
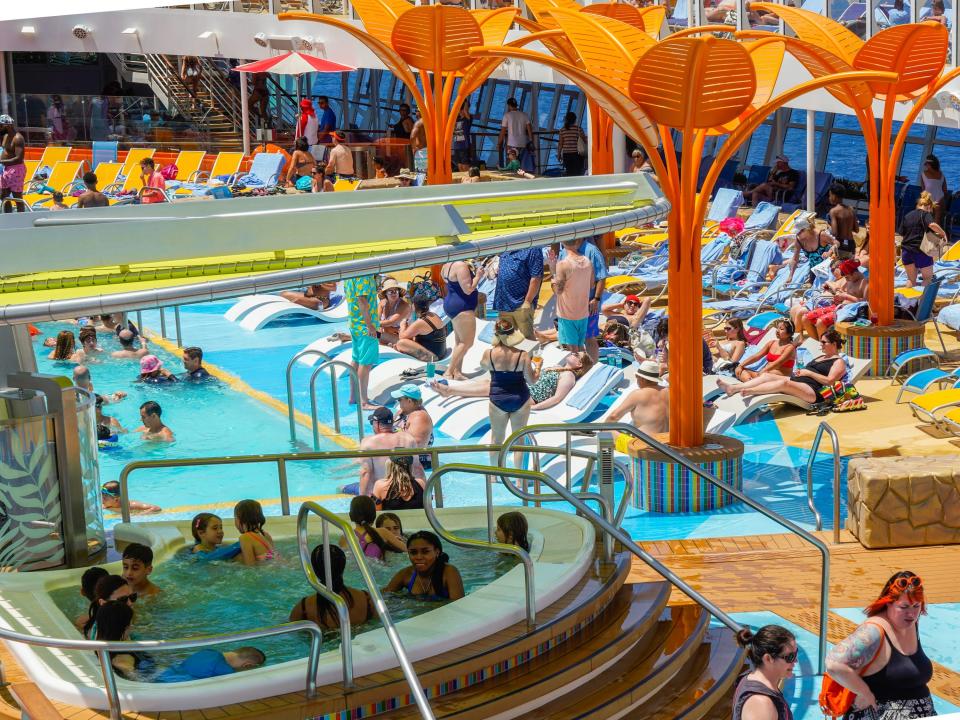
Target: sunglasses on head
(789,657)
(912,582)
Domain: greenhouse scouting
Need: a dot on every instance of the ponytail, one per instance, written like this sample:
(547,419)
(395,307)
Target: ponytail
(768,640)
(338,563)
(105,587)
(363,512)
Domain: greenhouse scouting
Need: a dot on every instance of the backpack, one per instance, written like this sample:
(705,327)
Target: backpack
(424,286)
(835,700)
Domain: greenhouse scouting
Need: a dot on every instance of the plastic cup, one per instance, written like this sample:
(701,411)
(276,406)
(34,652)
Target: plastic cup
(431,369)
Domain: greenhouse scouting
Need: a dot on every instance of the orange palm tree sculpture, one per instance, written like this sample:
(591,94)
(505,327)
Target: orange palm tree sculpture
(696,86)
(433,40)
(916,53)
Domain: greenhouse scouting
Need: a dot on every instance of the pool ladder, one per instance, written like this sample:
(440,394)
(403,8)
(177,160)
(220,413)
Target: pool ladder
(328,363)
(825,427)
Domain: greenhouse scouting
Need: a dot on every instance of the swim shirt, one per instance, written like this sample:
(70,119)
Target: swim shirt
(354,289)
(202,664)
(199,374)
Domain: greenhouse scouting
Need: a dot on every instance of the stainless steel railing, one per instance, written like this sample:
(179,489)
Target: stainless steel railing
(406,666)
(713,480)
(282,459)
(331,365)
(503,474)
(104,648)
(291,411)
(825,427)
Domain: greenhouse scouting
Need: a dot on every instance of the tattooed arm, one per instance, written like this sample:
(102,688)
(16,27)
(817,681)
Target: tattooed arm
(848,659)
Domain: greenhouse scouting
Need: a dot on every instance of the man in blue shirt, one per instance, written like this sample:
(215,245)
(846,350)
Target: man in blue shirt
(327,121)
(519,276)
(212,663)
(595,256)
(899,14)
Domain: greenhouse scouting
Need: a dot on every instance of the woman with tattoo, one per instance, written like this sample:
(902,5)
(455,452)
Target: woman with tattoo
(773,653)
(883,661)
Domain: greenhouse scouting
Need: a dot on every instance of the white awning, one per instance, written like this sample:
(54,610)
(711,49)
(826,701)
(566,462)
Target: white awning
(10,10)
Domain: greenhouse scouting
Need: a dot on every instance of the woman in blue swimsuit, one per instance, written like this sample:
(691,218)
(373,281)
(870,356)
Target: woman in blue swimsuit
(510,373)
(460,305)
(430,576)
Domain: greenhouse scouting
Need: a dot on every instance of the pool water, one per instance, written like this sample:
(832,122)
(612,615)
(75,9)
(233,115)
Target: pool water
(209,598)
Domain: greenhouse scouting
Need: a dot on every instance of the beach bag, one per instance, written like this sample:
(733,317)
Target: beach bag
(841,397)
(169,172)
(581,146)
(732,226)
(304,184)
(835,700)
(931,245)
(423,286)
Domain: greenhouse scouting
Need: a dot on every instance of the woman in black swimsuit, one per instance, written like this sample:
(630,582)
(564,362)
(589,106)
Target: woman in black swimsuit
(883,661)
(402,127)
(321,611)
(426,337)
(114,619)
(399,490)
(805,383)
(301,162)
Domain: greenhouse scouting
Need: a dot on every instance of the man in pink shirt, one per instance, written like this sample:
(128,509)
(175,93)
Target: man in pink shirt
(572,281)
(151,176)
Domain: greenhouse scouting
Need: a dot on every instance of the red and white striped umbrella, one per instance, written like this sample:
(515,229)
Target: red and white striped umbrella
(293,63)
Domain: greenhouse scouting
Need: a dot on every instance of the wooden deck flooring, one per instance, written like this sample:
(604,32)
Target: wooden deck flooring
(781,573)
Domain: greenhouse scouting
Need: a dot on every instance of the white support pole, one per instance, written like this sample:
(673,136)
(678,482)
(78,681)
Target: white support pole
(811,160)
(619,150)
(244,113)
(3,81)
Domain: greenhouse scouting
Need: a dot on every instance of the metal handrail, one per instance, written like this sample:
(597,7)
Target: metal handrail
(351,537)
(825,427)
(355,389)
(503,474)
(675,457)
(104,648)
(569,453)
(281,460)
(306,352)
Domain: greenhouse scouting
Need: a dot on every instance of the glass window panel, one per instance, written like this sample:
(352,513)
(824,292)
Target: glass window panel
(910,161)
(758,144)
(947,134)
(845,122)
(846,156)
(795,147)
(949,156)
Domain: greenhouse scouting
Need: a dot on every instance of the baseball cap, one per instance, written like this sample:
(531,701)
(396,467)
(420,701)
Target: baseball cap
(632,298)
(339,135)
(6,120)
(382,415)
(408,391)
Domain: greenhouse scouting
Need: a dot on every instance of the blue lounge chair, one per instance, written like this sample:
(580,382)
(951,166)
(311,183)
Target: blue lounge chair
(754,297)
(757,174)
(264,172)
(725,204)
(103,151)
(822,181)
(922,380)
(761,256)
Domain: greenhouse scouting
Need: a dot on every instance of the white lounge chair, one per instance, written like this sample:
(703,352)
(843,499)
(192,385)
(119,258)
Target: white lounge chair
(599,381)
(255,311)
(743,408)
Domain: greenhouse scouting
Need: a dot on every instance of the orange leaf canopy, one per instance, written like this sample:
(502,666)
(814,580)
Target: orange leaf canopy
(436,38)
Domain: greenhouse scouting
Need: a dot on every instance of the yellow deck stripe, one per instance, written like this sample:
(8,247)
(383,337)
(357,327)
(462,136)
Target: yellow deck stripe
(235,383)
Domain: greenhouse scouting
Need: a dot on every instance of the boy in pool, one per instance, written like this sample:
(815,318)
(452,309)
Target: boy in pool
(110,498)
(153,427)
(137,566)
(212,663)
(207,530)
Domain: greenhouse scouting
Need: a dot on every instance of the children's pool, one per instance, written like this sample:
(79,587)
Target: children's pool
(209,598)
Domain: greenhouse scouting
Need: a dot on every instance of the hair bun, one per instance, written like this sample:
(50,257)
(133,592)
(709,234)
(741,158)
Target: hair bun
(745,637)
(444,557)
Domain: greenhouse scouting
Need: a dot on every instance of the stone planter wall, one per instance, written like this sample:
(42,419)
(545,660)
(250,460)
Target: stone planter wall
(904,501)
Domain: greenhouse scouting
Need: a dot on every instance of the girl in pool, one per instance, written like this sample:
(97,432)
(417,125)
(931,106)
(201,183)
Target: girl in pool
(256,544)
(317,609)
(430,576)
(111,587)
(391,523)
(207,530)
(512,530)
(88,584)
(114,620)
(373,541)
(66,348)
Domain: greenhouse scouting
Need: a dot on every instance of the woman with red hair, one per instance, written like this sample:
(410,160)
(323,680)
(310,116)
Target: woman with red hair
(882,662)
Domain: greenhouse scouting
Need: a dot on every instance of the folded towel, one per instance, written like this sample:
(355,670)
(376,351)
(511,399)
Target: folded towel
(586,392)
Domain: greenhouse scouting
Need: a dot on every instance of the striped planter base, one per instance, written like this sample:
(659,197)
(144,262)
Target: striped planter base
(666,487)
(881,344)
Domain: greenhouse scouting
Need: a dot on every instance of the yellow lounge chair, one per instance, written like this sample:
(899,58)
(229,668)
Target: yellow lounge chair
(61,178)
(927,407)
(131,164)
(107,174)
(188,162)
(341,185)
(52,154)
(226,163)
(32,166)
(129,188)
(950,421)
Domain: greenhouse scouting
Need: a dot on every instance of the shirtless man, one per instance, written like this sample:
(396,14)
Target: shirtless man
(81,378)
(153,428)
(418,143)
(648,405)
(14,171)
(385,437)
(854,289)
(315,297)
(843,223)
(92,197)
(127,351)
(414,419)
(633,309)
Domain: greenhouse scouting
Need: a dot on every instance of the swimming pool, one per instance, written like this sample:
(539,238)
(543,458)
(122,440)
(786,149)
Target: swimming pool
(562,551)
(212,598)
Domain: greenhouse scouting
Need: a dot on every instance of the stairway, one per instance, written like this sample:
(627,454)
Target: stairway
(216,109)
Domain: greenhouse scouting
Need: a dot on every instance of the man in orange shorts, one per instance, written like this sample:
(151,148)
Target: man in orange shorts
(854,289)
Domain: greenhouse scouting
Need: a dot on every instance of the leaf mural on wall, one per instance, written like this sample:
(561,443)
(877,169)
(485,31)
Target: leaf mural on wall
(29,496)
